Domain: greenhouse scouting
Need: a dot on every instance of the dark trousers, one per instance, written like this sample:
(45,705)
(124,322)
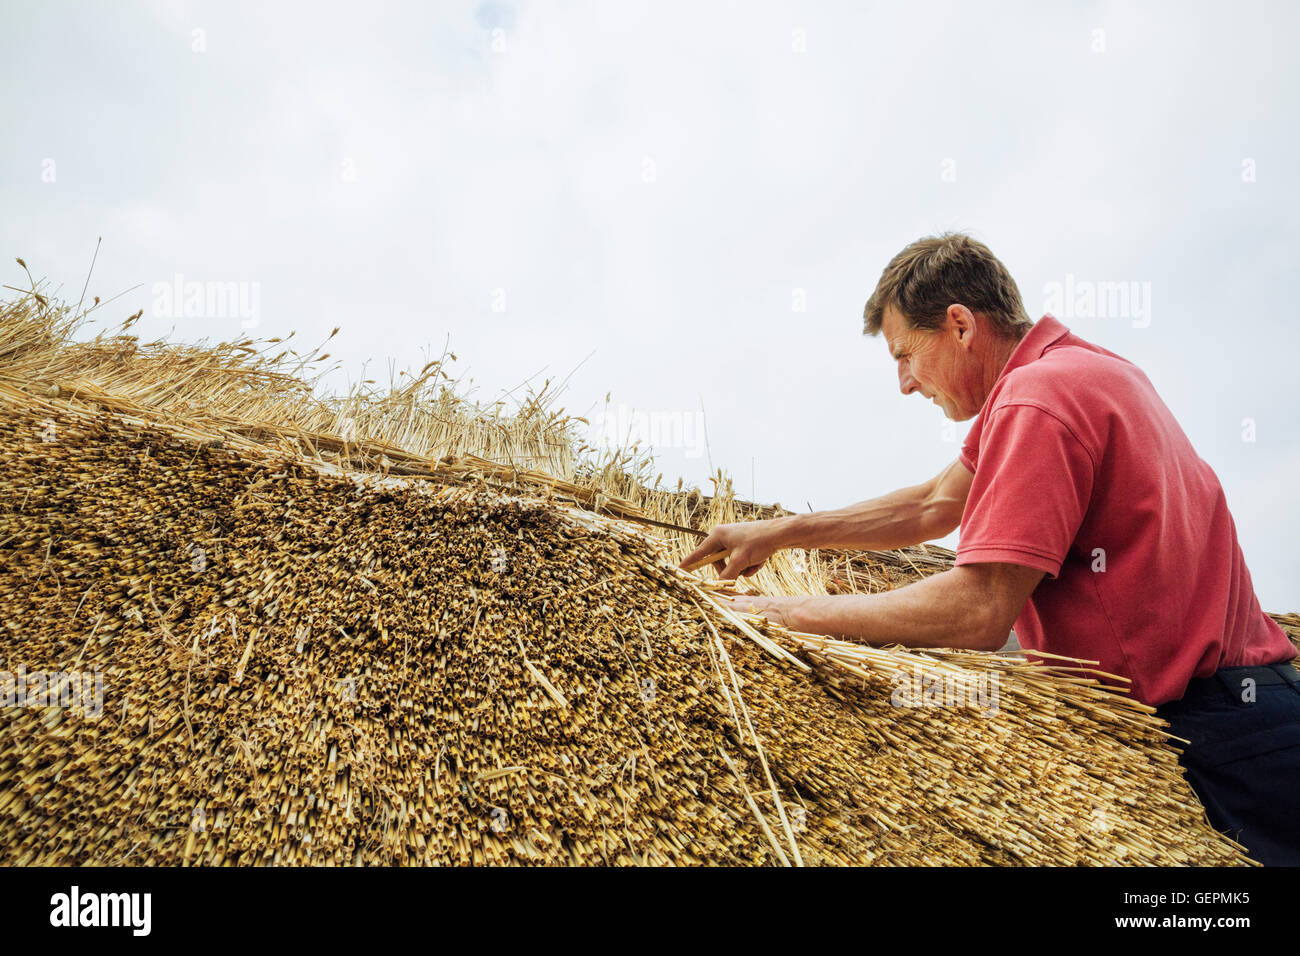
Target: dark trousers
(1244,757)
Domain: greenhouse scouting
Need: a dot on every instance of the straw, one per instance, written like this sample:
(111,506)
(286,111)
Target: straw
(398,627)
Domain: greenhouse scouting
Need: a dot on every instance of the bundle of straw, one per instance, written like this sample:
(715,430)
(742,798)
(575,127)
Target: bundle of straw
(413,643)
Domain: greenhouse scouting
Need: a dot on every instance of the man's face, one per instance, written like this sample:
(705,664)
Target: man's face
(940,365)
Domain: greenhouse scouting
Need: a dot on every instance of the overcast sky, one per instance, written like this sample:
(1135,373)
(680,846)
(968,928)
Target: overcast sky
(689,203)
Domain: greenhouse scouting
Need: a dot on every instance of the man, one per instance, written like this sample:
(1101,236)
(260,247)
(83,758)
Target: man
(1087,521)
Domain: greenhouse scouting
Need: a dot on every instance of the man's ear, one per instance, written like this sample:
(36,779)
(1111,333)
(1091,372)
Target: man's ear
(962,322)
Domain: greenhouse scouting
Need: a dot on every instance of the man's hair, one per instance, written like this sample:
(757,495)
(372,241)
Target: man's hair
(938,271)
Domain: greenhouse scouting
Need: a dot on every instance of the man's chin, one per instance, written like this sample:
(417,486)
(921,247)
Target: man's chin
(959,417)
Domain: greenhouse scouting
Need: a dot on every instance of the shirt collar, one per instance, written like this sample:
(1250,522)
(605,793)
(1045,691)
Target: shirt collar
(1045,332)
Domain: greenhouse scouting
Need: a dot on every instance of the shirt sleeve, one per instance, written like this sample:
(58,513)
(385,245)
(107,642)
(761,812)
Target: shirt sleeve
(968,456)
(1030,492)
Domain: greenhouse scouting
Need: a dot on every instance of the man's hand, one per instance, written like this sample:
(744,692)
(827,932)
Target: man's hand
(971,606)
(773,608)
(923,512)
(751,544)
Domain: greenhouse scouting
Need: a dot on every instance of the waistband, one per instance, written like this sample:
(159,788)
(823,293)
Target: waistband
(1230,682)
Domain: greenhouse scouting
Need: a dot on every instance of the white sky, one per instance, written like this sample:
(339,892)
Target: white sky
(659,184)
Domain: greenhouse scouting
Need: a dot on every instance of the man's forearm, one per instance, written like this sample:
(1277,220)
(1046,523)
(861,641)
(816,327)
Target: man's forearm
(940,611)
(895,520)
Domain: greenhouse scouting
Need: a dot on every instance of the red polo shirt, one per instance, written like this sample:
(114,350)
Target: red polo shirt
(1081,471)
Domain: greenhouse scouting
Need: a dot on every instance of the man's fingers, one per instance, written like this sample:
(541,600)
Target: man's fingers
(710,545)
(732,570)
(739,567)
(690,557)
(751,604)
(691,564)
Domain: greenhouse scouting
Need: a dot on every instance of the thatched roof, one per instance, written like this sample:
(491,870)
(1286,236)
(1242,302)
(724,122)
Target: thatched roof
(394,627)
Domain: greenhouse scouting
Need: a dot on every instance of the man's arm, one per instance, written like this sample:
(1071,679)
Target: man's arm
(908,516)
(970,606)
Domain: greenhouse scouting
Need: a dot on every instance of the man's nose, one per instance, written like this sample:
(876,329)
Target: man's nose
(906,383)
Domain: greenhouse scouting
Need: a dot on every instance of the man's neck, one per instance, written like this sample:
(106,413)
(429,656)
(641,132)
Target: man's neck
(999,356)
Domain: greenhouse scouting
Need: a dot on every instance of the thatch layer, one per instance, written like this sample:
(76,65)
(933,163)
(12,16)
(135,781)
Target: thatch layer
(475,663)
